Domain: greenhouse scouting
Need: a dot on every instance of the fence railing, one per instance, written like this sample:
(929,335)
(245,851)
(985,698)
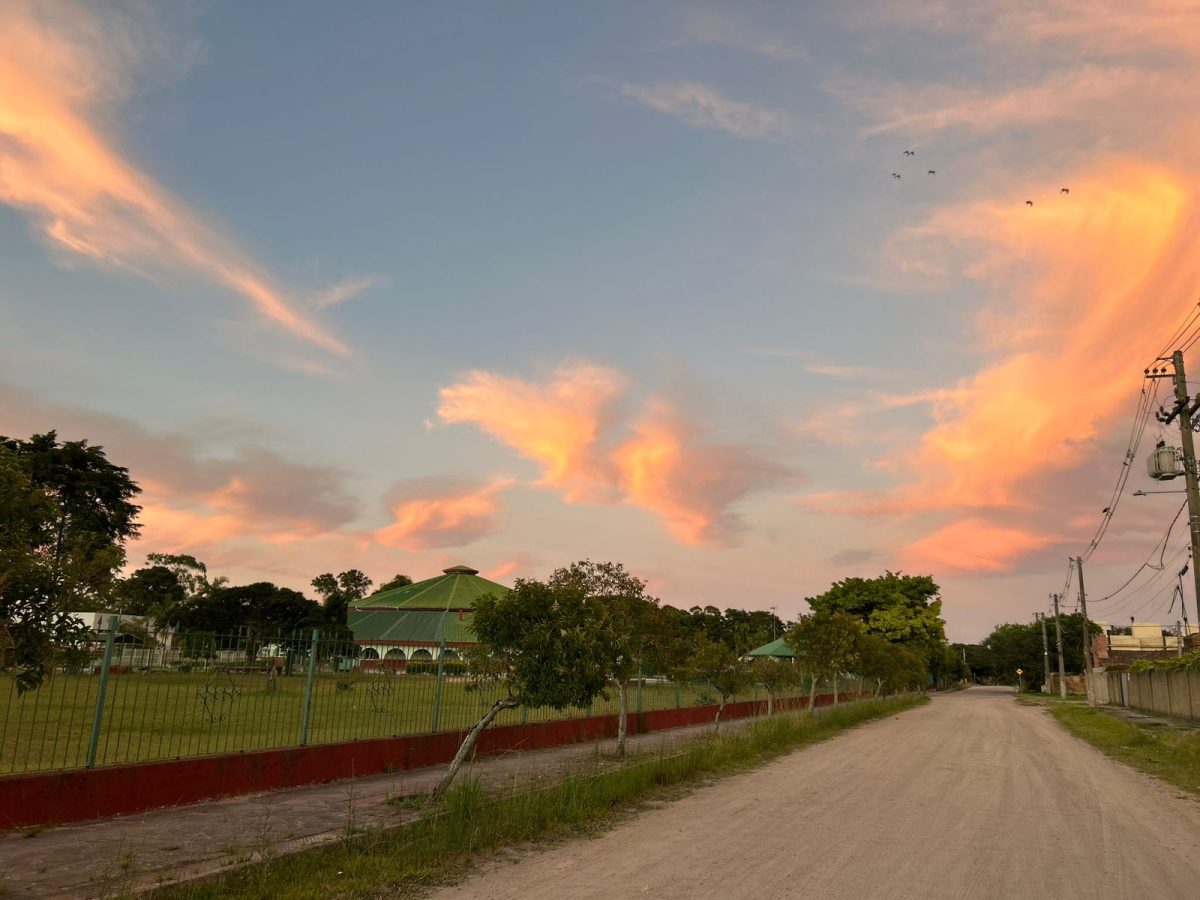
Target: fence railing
(198,695)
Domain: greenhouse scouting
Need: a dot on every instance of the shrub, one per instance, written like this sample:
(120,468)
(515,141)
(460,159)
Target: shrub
(430,667)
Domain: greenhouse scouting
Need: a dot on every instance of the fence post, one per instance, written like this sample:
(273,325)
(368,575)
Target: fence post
(308,686)
(639,690)
(678,697)
(98,716)
(437,690)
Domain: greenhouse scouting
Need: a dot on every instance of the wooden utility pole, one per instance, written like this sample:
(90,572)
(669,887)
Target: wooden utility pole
(1041,617)
(1087,636)
(1062,668)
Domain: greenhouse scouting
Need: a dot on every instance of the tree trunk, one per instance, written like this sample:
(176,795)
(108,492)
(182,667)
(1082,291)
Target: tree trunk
(468,743)
(878,687)
(622,716)
(720,712)
(770,703)
(835,689)
(812,694)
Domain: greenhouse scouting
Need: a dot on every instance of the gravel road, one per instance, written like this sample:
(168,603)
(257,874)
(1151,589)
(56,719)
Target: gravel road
(971,796)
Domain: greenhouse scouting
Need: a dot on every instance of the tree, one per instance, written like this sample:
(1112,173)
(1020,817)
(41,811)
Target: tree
(544,644)
(67,513)
(630,618)
(337,594)
(191,574)
(721,667)
(1018,645)
(396,581)
(828,642)
(149,591)
(776,676)
(252,612)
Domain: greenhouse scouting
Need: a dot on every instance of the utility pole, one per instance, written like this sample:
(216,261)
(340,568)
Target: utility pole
(1062,668)
(1041,617)
(1087,635)
(1185,408)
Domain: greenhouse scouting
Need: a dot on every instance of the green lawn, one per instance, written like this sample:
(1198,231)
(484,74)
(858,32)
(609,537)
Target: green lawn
(162,715)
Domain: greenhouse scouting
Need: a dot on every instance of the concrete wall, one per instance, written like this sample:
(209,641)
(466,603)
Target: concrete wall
(1171,693)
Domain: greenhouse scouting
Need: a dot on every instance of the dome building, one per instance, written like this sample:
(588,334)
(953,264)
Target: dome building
(417,622)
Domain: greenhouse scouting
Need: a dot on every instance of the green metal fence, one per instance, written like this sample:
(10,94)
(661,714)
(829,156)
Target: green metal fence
(206,694)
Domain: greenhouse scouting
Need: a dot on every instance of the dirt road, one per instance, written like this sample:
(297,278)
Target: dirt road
(972,796)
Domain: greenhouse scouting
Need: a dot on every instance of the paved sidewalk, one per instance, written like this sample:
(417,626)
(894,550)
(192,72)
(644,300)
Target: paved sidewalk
(134,853)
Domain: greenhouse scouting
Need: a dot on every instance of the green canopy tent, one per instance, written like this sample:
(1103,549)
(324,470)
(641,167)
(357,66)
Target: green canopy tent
(423,620)
(777,648)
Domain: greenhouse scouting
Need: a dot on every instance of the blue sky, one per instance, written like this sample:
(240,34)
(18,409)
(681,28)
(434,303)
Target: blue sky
(397,286)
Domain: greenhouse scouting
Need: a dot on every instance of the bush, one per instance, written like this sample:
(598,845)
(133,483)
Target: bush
(430,667)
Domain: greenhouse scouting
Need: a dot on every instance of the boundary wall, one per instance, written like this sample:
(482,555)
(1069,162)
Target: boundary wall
(1170,693)
(76,795)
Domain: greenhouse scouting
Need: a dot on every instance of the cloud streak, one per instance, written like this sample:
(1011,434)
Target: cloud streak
(63,66)
(701,106)
(431,513)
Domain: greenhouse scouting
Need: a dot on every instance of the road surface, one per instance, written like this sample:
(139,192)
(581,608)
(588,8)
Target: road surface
(971,796)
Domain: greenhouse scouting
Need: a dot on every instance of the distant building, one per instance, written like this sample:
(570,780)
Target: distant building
(419,621)
(1117,646)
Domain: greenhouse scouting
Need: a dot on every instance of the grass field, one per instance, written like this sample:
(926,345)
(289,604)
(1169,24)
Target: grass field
(165,715)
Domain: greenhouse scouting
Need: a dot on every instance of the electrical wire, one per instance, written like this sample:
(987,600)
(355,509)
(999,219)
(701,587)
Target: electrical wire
(1162,542)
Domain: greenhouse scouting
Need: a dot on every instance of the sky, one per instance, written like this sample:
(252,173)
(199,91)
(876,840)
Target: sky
(402,286)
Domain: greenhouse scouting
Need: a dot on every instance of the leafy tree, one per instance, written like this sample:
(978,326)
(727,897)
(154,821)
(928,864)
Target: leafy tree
(253,612)
(149,591)
(721,667)
(67,513)
(1018,645)
(337,594)
(545,645)
(828,642)
(740,630)
(631,619)
(777,676)
(396,581)
(893,667)
(191,574)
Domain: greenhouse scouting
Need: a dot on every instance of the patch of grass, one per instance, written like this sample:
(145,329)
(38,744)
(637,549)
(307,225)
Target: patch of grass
(472,820)
(1167,753)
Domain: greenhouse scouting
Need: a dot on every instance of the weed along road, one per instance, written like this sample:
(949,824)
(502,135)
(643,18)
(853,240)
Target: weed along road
(972,795)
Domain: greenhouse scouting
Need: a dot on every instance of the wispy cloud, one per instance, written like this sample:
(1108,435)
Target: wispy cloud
(701,106)
(64,64)
(339,293)
(660,461)
(728,29)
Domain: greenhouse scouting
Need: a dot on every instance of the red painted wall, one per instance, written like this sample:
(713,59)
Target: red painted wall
(78,794)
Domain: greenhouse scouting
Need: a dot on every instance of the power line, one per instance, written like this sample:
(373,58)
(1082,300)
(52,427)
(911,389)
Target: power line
(1147,564)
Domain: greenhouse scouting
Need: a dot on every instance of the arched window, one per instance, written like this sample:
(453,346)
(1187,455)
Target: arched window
(449,654)
(370,653)
(421,654)
(395,653)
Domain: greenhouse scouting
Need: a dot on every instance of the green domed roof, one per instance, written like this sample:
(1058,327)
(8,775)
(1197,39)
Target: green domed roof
(456,588)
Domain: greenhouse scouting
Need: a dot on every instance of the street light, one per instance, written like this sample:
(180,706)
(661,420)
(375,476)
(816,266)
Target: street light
(1144,493)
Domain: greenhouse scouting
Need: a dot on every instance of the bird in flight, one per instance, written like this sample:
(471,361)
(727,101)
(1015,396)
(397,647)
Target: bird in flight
(895,174)
(910,152)
(1029,203)
(932,172)
(1064,190)
(1106,510)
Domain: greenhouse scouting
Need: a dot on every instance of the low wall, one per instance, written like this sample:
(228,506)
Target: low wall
(75,795)
(1170,693)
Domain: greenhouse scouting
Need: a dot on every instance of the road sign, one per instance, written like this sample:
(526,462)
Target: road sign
(1020,671)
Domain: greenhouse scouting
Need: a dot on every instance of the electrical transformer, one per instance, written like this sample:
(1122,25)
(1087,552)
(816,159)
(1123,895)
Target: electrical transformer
(1163,464)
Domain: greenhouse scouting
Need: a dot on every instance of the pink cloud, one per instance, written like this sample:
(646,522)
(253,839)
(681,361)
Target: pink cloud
(436,514)
(63,65)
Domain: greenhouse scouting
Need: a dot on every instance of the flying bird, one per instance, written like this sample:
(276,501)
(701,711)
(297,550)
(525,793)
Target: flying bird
(1106,511)
(1064,190)
(910,152)
(895,174)
(932,172)
(1029,203)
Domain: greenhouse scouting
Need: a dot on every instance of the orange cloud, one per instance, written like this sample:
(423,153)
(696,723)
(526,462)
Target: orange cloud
(429,514)
(558,425)
(61,65)
(570,426)
(972,545)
